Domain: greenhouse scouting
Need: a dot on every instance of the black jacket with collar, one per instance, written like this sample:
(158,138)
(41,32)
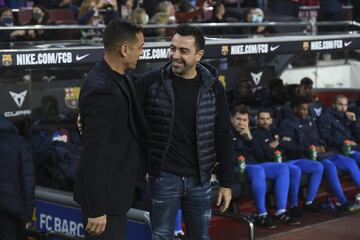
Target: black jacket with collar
(335,128)
(156,96)
(302,133)
(114,140)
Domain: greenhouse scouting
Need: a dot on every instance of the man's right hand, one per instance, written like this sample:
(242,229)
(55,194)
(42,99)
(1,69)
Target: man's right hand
(274,144)
(246,133)
(96,226)
(320,149)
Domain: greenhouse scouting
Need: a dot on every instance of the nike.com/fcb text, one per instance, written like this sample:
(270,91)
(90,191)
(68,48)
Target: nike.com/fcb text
(43,58)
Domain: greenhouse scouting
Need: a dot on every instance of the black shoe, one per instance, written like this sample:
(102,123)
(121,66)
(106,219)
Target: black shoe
(313,208)
(349,206)
(265,221)
(295,212)
(286,218)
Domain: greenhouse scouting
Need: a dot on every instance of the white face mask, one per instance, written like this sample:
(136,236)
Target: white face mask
(257,18)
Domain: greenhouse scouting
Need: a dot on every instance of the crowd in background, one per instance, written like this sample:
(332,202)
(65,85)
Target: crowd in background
(100,12)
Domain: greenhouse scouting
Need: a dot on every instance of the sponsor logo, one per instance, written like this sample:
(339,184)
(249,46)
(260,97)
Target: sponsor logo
(52,223)
(79,58)
(18,97)
(17,113)
(326,44)
(221,78)
(318,111)
(6,59)
(25,59)
(347,43)
(224,50)
(155,53)
(306,46)
(72,97)
(245,49)
(256,77)
(273,48)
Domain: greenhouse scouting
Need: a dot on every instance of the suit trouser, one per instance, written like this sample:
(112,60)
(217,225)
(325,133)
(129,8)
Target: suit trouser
(114,230)
(11,227)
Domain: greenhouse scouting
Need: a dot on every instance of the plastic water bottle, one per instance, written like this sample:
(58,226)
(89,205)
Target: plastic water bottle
(277,156)
(241,168)
(347,147)
(313,152)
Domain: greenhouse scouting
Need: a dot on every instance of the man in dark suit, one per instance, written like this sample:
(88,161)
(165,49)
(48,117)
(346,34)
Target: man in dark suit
(112,129)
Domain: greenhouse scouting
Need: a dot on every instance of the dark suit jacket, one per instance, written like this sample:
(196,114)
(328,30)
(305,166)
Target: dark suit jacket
(113,132)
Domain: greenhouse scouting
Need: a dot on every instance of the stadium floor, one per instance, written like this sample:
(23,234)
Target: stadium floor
(329,226)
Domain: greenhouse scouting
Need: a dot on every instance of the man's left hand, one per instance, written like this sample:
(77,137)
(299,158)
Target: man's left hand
(224,198)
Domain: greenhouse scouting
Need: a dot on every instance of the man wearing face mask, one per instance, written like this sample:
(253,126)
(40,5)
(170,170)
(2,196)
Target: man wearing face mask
(7,20)
(256,15)
(39,16)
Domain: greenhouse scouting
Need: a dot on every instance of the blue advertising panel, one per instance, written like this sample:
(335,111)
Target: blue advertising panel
(60,218)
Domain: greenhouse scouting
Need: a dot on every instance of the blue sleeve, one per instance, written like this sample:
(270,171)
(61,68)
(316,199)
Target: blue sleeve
(329,133)
(256,150)
(266,152)
(287,129)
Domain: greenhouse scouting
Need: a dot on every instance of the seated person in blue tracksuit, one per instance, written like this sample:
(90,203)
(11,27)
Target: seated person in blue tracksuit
(258,171)
(302,133)
(338,125)
(269,141)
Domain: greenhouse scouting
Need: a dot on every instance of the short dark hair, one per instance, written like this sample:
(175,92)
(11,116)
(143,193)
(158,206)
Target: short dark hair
(120,31)
(337,97)
(275,83)
(265,110)
(187,30)
(298,100)
(241,109)
(4,9)
(306,82)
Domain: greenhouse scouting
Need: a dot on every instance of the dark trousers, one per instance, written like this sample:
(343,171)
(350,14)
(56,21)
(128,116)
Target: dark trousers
(11,227)
(114,230)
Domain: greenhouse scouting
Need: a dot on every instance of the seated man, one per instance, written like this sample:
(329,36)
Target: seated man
(269,141)
(338,125)
(302,132)
(257,172)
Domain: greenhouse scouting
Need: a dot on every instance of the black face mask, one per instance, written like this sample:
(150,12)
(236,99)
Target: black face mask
(36,16)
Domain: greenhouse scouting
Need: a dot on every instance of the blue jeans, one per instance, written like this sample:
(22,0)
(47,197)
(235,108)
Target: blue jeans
(168,193)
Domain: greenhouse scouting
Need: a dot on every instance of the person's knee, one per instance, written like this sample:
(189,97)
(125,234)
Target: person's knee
(317,167)
(283,168)
(255,172)
(295,172)
(329,166)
